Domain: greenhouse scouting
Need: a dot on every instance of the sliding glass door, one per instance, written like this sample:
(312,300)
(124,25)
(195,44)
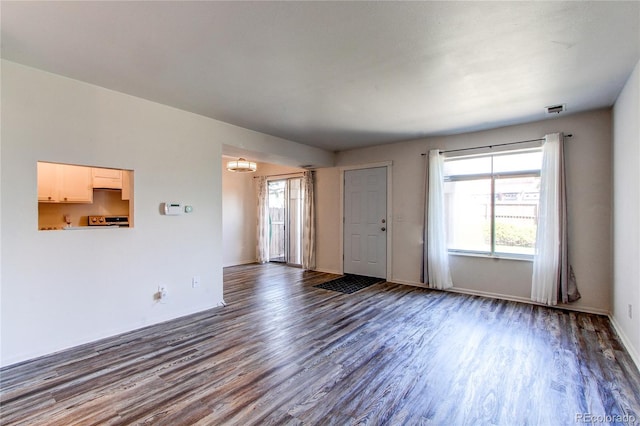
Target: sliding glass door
(277,226)
(285,221)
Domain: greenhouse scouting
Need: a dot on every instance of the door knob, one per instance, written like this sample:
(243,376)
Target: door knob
(384,221)
(383,229)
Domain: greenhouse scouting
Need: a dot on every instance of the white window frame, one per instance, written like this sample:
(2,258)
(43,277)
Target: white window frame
(492,176)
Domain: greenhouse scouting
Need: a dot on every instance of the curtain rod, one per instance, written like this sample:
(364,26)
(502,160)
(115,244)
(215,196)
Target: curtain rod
(281,174)
(491,146)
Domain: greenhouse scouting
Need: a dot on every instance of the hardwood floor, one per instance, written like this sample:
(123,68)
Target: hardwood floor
(284,352)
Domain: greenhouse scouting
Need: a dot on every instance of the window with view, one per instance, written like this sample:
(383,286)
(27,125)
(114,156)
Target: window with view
(491,203)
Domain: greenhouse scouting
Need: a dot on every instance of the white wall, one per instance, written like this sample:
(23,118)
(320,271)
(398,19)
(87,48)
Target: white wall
(328,220)
(626,214)
(64,288)
(589,176)
(239,211)
(238,217)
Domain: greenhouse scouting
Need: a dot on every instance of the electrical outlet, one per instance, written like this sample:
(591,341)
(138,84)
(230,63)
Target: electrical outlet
(630,309)
(195,281)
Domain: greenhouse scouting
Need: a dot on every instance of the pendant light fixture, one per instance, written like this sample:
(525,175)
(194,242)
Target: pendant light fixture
(241,165)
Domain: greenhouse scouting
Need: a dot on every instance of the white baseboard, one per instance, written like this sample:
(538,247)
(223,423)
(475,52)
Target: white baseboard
(585,309)
(490,295)
(328,271)
(410,283)
(241,262)
(625,341)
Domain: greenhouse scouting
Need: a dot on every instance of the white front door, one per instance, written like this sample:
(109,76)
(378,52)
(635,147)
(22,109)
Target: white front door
(365,222)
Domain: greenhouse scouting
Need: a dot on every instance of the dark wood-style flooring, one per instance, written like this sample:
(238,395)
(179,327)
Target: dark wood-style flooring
(284,352)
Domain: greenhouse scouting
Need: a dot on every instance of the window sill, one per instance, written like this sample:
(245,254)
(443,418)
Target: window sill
(491,256)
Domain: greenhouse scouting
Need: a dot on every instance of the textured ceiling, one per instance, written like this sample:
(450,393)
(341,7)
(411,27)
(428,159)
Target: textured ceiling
(339,75)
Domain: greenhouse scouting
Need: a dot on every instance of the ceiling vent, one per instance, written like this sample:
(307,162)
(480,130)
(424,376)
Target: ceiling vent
(556,109)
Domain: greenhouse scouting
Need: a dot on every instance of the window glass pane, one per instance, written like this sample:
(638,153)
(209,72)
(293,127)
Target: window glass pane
(467,166)
(468,215)
(516,209)
(276,221)
(524,161)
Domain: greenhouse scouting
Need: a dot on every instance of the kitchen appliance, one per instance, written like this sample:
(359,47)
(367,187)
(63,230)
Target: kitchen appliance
(109,221)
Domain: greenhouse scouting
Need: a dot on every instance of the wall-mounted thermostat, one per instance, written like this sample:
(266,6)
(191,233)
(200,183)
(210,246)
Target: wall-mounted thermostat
(172,208)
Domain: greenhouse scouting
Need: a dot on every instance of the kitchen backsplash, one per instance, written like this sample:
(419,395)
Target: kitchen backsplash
(105,203)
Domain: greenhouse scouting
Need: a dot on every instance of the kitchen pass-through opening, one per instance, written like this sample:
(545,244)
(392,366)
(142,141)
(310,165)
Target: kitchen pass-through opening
(83,197)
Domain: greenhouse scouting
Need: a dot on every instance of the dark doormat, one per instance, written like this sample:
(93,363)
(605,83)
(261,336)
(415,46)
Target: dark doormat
(350,283)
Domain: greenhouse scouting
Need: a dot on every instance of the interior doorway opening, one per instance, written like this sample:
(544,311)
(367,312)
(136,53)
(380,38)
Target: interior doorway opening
(285,220)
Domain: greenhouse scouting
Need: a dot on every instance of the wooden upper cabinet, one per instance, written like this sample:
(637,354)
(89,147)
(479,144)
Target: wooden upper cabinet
(76,184)
(62,183)
(47,182)
(107,178)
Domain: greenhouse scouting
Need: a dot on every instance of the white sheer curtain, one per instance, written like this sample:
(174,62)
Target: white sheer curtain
(553,276)
(436,254)
(262,229)
(309,222)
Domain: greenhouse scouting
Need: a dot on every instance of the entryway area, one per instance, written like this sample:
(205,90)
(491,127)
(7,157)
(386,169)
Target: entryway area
(365,222)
